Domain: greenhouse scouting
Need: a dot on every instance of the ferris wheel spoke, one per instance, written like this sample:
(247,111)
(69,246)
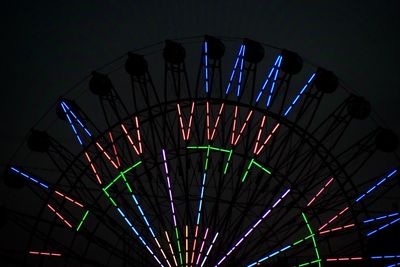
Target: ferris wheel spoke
(239,58)
(126,219)
(106,190)
(172,205)
(249,231)
(273,71)
(209,249)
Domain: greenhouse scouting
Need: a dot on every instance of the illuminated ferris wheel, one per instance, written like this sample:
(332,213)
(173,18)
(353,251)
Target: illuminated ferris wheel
(206,152)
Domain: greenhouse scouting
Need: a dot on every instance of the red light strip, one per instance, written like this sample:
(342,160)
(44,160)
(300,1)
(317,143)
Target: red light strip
(93,168)
(234,125)
(181,121)
(114,149)
(138,134)
(68,198)
(185,134)
(106,154)
(59,216)
(243,127)
(337,229)
(45,253)
(211,134)
(320,192)
(333,218)
(259,134)
(186,245)
(268,138)
(190,121)
(194,244)
(138,149)
(345,259)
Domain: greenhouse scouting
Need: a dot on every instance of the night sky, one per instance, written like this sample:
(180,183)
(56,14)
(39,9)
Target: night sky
(47,46)
(50,45)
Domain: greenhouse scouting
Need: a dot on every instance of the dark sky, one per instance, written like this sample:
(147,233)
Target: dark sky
(49,45)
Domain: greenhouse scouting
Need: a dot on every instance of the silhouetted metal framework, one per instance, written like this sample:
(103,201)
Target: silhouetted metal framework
(257,159)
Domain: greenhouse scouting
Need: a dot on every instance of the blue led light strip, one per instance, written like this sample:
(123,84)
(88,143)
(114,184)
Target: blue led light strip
(55,192)
(125,217)
(67,110)
(357,200)
(29,177)
(299,95)
(203,184)
(376,185)
(253,227)
(206,66)
(65,106)
(275,68)
(391,265)
(385,257)
(279,251)
(382,217)
(228,88)
(270,256)
(72,125)
(138,235)
(383,227)
(271,92)
(145,219)
(240,73)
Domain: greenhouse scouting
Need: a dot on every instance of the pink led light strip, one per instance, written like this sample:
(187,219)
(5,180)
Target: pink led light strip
(55,254)
(68,198)
(333,219)
(234,140)
(185,134)
(201,248)
(93,168)
(211,133)
(194,244)
(337,229)
(320,192)
(138,148)
(258,150)
(345,259)
(114,148)
(209,249)
(59,216)
(106,154)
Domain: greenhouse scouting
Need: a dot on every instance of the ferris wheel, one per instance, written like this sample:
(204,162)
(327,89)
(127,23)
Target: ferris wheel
(206,151)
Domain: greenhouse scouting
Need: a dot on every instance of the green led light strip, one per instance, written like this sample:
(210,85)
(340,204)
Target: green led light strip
(309,263)
(122,173)
(179,246)
(318,260)
(208,148)
(258,165)
(230,151)
(83,219)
